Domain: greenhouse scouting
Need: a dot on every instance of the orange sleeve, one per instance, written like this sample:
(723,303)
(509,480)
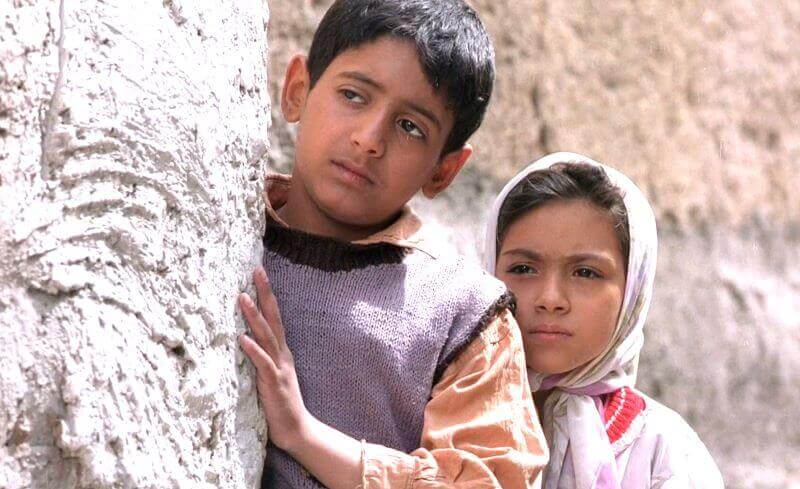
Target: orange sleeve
(480,428)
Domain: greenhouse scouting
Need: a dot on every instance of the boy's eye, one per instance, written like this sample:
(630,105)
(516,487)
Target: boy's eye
(521,269)
(410,128)
(352,96)
(585,272)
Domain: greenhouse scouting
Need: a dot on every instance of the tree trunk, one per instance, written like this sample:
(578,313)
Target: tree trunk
(132,145)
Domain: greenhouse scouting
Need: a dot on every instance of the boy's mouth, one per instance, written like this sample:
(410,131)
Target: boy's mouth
(354,173)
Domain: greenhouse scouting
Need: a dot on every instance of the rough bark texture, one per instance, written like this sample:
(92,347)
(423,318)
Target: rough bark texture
(132,140)
(699,102)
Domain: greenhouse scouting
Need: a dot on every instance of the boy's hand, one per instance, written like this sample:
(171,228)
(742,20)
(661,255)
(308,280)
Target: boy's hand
(287,418)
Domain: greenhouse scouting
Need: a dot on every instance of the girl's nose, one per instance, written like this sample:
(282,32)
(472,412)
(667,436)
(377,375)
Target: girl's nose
(552,297)
(368,135)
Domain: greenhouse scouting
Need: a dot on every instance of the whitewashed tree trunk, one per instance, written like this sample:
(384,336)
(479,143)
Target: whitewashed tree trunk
(132,144)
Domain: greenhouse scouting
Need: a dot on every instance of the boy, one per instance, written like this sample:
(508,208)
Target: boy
(397,367)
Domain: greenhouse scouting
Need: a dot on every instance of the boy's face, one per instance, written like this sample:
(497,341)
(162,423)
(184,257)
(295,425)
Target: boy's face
(370,136)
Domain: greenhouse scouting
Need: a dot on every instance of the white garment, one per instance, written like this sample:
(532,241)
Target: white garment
(661,451)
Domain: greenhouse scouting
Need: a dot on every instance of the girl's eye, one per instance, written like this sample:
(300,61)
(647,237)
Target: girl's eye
(585,272)
(352,96)
(410,128)
(521,269)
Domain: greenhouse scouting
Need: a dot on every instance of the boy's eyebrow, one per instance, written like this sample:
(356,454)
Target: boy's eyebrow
(414,106)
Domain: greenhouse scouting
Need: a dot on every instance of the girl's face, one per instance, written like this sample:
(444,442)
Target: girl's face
(563,262)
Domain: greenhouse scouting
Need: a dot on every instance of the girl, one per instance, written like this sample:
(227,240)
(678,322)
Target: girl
(576,243)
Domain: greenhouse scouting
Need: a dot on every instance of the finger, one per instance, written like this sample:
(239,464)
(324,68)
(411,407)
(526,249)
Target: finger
(269,305)
(265,366)
(258,325)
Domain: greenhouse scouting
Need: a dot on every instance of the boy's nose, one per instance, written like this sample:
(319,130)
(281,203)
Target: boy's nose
(369,137)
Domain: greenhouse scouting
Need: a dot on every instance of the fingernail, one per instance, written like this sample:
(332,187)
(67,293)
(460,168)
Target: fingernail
(263,274)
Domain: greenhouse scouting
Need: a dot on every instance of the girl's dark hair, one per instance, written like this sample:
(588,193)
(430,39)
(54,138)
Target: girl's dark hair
(566,181)
(453,46)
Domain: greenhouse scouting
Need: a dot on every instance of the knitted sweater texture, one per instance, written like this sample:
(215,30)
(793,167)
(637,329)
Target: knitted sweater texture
(372,328)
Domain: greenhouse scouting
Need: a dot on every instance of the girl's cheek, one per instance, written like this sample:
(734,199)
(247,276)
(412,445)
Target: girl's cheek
(608,314)
(522,316)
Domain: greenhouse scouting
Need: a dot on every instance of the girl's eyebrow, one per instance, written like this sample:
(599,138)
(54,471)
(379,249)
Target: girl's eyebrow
(590,256)
(534,256)
(525,253)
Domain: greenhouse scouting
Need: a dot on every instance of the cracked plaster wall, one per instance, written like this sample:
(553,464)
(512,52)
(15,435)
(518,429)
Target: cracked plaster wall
(699,102)
(132,144)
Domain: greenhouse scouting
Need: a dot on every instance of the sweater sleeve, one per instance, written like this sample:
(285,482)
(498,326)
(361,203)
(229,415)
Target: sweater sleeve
(480,427)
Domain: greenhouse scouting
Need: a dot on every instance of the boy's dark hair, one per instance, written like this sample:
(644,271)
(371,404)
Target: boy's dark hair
(566,181)
(454,49)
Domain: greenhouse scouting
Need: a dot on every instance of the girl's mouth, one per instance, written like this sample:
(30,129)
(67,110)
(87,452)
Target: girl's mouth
(549,332)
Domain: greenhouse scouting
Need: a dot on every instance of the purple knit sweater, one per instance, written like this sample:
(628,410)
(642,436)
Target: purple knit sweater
(372,328)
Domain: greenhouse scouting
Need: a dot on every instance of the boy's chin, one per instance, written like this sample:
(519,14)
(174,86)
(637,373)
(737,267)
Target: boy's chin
(357,219)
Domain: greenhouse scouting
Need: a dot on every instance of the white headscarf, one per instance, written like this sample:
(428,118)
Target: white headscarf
(580,454)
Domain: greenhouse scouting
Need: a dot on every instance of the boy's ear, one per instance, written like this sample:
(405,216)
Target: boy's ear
(446,171)
(295,88)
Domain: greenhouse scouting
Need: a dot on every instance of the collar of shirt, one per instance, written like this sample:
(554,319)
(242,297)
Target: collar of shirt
(407,231)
